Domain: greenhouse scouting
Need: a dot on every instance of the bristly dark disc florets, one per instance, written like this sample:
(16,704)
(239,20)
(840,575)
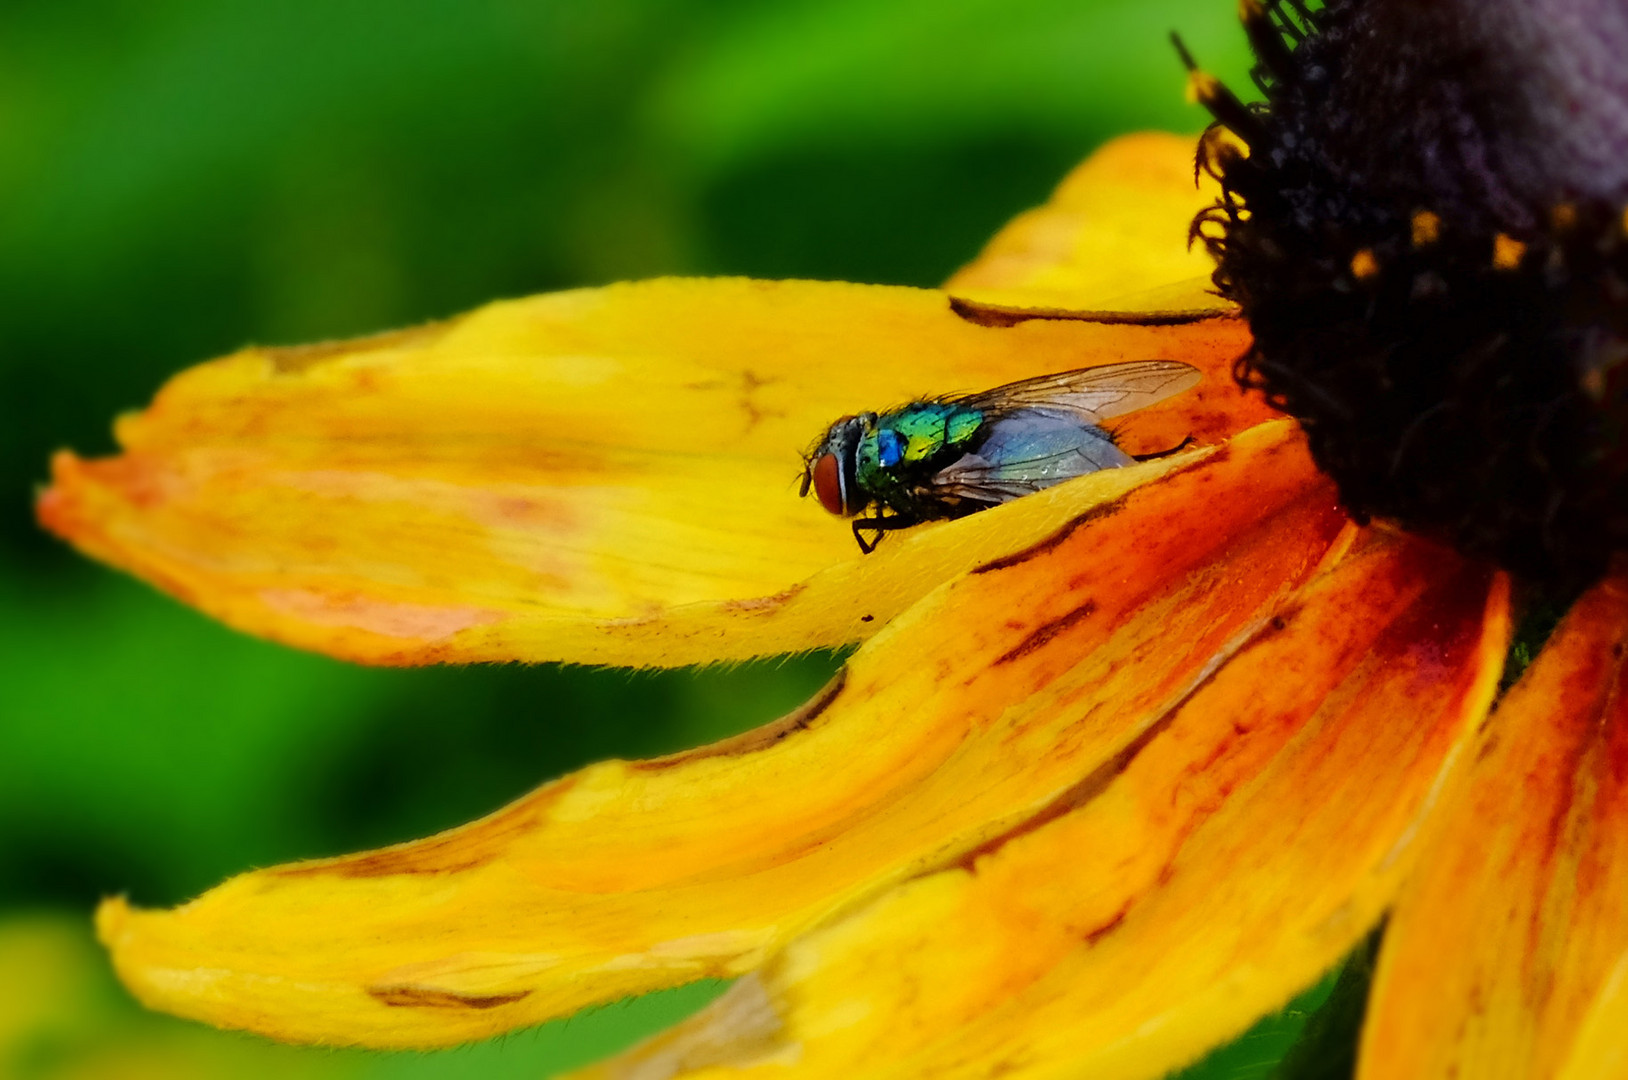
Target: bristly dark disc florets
(1427,235)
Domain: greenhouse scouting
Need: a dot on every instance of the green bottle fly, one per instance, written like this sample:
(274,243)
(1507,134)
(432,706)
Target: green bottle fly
(952,456)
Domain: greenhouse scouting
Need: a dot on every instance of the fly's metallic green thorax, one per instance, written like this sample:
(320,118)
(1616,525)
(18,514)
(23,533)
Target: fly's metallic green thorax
(1427,237)
(906,447)
(952,456)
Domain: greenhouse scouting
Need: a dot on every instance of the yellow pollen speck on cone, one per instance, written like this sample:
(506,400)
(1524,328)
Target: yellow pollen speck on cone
(1426,228)
(1507,252)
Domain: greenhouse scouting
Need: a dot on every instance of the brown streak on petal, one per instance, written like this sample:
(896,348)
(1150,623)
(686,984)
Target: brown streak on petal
(1092,785)
(764,605)
(1216,457)
(465,848)
(751,382)
(423,997)
(1043,634)
(480,843)
(759,738)
(1053,541)
(1097,933)
(382,865)
(1002,317)
(293,359)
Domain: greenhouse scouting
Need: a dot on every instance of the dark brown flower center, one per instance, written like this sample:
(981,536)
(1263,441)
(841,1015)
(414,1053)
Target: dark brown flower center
(1427,236)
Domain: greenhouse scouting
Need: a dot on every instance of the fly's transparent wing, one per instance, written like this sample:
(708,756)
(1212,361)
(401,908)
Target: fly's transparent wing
(1025,452)
(1089,394)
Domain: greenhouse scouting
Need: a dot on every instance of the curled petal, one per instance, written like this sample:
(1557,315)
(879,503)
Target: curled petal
(1214,865)
(602,476)
(1505,950)
(1113,237)
(975,711)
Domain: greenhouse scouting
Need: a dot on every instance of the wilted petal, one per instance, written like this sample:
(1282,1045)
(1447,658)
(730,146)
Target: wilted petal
(974,711)
(1519,914)
(606,476)
(1215,865)
(1112,237)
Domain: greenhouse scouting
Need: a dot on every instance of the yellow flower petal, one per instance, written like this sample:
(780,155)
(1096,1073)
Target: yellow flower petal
(1211,868)
(1520,910)
(1112,237)
(979,708)
(606,476)
(1601,1047)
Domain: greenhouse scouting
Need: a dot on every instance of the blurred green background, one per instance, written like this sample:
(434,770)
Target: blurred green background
(179,177)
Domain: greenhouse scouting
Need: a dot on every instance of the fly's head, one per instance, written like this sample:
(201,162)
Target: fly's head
(831,466)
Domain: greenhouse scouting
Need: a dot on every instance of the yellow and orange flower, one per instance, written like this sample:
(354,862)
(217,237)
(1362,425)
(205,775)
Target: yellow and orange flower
(1115,769)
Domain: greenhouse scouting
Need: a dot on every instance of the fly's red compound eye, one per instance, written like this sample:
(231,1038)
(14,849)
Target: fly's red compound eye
(828,484)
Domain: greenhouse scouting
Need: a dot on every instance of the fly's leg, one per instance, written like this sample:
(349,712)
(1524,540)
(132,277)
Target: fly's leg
(880,526)
(1178,448)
